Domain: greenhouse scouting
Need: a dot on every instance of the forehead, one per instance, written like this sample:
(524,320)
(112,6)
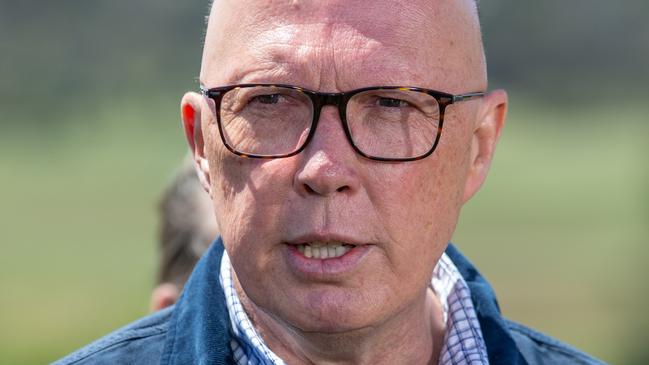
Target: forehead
(341,45)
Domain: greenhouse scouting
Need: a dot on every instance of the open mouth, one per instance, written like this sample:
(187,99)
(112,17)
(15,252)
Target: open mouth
(324,250)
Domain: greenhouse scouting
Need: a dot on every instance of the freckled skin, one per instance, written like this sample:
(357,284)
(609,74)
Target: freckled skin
(406,211)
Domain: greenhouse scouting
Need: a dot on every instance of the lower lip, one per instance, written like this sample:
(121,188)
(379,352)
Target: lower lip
(325,269)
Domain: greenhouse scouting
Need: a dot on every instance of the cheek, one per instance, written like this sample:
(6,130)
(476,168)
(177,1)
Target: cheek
(228,183)
(421,216)
(426,195)
(249,195)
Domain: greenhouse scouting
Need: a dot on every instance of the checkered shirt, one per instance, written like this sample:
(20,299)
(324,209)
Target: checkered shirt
(463,342)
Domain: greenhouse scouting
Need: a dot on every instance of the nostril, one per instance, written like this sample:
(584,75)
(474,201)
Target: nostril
(309,189)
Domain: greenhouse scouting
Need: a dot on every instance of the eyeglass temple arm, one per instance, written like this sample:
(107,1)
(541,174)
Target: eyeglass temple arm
(468,96)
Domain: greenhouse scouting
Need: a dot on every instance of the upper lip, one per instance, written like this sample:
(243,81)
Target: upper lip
(326,237)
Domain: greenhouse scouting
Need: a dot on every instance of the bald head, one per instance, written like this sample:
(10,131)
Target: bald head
(395,42)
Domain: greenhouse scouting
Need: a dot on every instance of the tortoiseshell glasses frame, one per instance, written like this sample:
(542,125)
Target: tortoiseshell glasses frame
(340,100)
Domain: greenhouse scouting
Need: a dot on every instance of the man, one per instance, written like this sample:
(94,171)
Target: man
(337,175)
(187,227)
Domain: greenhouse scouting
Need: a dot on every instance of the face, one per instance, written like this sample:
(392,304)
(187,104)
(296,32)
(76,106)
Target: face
(393,220)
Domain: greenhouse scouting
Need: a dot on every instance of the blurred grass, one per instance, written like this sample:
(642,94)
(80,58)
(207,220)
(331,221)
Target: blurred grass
(560,228)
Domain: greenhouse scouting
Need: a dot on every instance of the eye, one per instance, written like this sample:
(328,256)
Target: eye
(266,99)
(392,103)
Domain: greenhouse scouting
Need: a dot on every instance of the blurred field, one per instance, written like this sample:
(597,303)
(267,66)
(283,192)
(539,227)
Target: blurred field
(560,228)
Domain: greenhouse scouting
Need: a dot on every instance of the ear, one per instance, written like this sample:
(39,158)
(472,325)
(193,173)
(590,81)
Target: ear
(192,107)
(163,296)
(489,123)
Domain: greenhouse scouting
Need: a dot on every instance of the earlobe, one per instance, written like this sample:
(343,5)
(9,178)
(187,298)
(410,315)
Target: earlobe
(203,171)
(489,123)
(163,296)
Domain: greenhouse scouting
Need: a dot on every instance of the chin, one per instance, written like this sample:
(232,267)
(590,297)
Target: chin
(332,311)
(333,323)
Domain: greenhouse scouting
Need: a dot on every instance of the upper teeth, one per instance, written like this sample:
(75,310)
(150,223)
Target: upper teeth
(324,250)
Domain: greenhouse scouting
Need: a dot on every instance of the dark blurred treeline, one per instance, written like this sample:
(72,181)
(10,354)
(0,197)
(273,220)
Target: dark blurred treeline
(569,47)
(57,55)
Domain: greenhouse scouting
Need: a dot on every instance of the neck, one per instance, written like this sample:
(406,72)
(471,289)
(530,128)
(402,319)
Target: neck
(412,336)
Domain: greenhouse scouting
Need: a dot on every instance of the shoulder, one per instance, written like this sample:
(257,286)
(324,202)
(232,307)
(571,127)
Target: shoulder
(140,342)
(538,348)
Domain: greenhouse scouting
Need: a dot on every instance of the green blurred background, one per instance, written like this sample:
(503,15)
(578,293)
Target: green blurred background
(90,135)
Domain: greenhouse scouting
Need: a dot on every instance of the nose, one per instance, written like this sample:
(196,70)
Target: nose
(329,164)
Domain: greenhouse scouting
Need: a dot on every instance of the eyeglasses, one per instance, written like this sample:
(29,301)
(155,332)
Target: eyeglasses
(384,123)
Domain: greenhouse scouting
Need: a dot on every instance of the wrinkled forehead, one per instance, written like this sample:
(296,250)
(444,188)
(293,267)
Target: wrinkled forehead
(406,41)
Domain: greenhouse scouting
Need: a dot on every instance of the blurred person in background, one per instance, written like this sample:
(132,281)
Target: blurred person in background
(187,227)
(318,136)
